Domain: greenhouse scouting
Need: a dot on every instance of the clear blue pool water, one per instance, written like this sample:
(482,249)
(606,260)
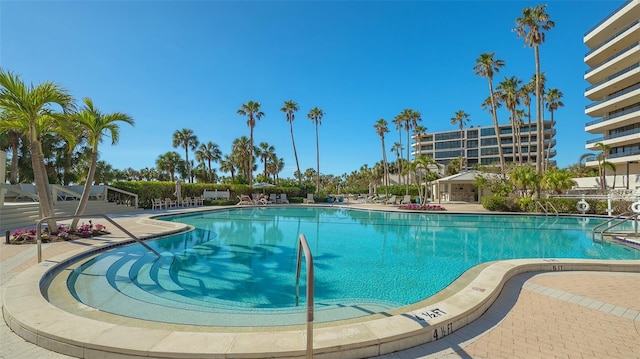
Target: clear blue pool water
(244,261)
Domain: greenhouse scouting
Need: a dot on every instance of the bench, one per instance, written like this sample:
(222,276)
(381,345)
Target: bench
(215,194)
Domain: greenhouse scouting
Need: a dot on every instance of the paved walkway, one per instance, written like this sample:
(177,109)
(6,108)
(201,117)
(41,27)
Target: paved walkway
(537,315)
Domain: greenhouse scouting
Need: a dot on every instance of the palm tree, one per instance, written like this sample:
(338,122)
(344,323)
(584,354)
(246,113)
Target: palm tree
(508,94)
(209,152)
(399,122)
(169,163)
(290,108)
(461,118)
(419,166)
(315,115)
(525,91)
(558,180)
(487,66)
(419,131)
(252,111)
(226,165)
(382,127)
(524,178)
(531,26)
(186,139)
(553,99)
(520,113)
(265,151)
(603,164)
(27,109)
(96,125)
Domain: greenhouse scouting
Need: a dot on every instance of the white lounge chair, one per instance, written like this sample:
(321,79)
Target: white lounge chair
(309,198)
(283,198)
(391,200)
(272,198)
(244,199)
(27,190)
(406,199)
(157,203)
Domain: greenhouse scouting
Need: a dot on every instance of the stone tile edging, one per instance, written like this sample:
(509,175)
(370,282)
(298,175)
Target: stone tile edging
(36,320)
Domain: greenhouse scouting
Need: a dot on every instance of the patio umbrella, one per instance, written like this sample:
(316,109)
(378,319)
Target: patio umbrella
(178,192)
(262,185)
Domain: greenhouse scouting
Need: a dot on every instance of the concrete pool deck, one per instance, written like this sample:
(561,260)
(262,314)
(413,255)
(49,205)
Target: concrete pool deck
(553,314)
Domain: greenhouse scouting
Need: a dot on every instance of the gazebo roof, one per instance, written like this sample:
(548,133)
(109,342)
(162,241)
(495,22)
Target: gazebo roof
(466,177)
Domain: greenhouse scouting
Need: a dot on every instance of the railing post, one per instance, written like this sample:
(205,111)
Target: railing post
(303,246)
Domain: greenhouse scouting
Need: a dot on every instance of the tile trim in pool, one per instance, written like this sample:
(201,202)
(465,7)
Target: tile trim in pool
(32,317)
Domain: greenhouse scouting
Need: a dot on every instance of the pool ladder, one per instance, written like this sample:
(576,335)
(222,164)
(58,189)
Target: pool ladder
(303,246)
(624,217)
(131,235)
(545,209)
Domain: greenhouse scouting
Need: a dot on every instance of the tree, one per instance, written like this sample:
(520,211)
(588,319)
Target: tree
(209,152)
(524,178)
(290,108)
(518,124)
(603,164)
(461,118)
(170,163)
(315,115)
(410,119)
(558,180)
(508,94)
(525,91)
(186,139)
(95,126)
(226,165)
(399,122)
(531,26)
(381,127)
(252,111)
(11,139)
(242,156)
(265,152)
(420,166)
(487,66)
(28,109)
(419,131)
(553,98)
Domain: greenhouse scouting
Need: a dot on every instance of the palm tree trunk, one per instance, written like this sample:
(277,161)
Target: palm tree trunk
(84,199)
(42,181)
(250,169)
(408,178)
(548,154)
(386,168)
(295,154)
(14,158)
(496,128)
(317,161)
(539,133)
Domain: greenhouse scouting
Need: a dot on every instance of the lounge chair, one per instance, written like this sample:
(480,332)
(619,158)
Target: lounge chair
(406,199)
(283,198)
(309,198)
(27,190)
(272,198)
(244,199)
(157,203)
(391,200)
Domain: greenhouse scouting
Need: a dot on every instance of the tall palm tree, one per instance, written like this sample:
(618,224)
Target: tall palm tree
(519,123)
(186,139)
(265,152)
(242,156)
(487,66)
(525,95)
(169,163)
(209,152)
(252,111)
(603,164)
(95,126)
(553,99)
(410,118)
(419,131)
(461,118)
(507,93)
(531,26)
(315,115)
(227,165)
(382,127)
(397,150)
(290,108)
(399,122)
(28,109)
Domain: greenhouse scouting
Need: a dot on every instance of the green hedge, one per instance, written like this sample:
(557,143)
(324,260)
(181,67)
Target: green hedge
(562,205)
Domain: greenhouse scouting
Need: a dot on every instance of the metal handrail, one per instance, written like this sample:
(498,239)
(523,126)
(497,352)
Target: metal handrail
(39,231)
(635,215)
(303,245)
(626,215)
(544,209)
(552,207)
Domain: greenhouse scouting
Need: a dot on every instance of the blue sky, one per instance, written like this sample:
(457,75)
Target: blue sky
(192,64)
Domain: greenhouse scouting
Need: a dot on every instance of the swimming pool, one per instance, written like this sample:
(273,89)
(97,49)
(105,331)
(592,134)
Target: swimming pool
(366,262)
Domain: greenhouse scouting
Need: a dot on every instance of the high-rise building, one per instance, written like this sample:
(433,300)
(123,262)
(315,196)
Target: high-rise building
(479,145)
(614,77)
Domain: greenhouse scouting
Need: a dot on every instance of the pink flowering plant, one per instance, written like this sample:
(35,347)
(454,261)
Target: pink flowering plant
(422,207)
(28,235)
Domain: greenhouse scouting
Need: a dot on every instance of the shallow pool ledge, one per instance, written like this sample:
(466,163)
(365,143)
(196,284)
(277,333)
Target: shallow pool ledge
(29,315)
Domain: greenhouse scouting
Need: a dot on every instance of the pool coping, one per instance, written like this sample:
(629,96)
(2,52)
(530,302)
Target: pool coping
(36,320)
